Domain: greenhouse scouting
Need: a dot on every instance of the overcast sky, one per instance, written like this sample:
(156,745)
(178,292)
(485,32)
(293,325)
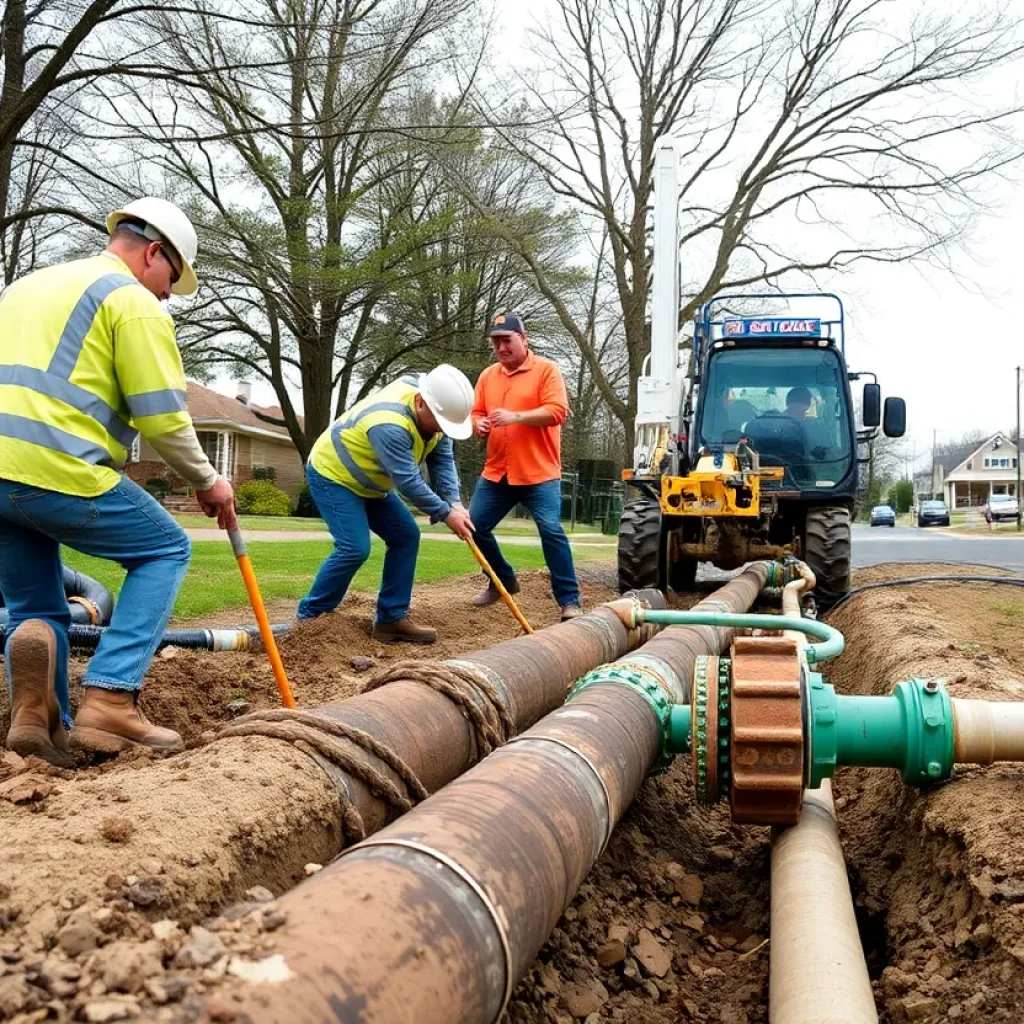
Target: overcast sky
(949,348)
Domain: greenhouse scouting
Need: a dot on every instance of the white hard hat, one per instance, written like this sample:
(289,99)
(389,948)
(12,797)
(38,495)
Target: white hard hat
(166,222)
(449,396)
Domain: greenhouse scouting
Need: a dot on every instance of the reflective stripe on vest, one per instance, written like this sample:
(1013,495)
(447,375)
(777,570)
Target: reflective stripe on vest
(361,469)
(54,382)
(21,428)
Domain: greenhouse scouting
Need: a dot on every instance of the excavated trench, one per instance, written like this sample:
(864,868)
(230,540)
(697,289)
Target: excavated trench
(669,926)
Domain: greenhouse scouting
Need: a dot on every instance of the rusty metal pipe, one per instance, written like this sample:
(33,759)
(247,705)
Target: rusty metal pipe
(435,919)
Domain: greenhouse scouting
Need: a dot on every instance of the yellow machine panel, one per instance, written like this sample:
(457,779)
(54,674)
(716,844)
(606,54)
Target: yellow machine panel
(725,490)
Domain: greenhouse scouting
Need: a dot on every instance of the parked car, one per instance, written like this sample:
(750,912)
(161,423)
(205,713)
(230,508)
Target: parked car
(933,513)
(999,507)
(883,515)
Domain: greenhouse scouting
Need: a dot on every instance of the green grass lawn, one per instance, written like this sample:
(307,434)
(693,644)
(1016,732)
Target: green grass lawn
(286,570)
(200,522)
(510,527)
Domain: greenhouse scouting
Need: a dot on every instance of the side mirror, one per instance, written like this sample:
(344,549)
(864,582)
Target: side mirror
(872,402)
(895,422)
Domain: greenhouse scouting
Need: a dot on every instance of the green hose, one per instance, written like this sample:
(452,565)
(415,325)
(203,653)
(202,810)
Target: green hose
(831,643)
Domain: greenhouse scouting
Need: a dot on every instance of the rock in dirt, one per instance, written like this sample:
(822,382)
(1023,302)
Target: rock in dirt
(312,869)
(146,891)
(41,928)
(274,919)
(239,706)
(59,976)
(918,1007)
(549,979)
(220,1010)
(16,995)
(151,866)
(117,829)
(200,949)
(125,966)
(611,953)
(982,936)
(581,1000)
(166,930)
(652,955)
(361,663)
(101,1010)
(690,888)
(618,933)
(79,935)
(259,894)
(25,789)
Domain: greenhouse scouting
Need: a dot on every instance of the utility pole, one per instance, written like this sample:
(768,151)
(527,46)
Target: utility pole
(935,441)
(1017,454)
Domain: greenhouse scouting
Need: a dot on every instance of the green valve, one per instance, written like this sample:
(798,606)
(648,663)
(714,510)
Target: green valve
(912,730)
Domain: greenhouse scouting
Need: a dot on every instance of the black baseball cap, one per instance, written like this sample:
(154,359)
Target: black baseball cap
(507,323)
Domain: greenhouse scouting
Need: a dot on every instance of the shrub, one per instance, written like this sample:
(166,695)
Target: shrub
(264,473)
(306,508)
(158,486)
(262,498)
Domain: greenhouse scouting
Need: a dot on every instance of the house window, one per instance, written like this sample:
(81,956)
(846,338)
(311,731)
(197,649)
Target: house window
(970,465)
(1004,463)
(219,446)
(988,462)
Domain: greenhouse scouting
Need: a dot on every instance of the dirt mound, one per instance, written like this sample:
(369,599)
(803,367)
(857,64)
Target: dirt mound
(939,876)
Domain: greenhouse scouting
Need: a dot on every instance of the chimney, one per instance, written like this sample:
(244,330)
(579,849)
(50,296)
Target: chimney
(244,393)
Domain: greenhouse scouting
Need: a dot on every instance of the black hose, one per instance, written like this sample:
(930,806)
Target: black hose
(89,602)
(87,638)
(1012,581)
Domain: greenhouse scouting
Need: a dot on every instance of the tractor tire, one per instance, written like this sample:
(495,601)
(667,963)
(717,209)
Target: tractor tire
(639,544)
(827,552)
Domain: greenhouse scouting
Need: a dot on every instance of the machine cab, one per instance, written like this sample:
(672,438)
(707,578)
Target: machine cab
(777,385)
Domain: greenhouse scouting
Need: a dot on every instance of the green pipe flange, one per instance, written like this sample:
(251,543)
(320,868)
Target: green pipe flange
(821,729)
(640,683)
(927,707)
(701,712)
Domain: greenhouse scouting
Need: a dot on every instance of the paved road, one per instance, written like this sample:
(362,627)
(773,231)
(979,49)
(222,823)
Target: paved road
(910,544)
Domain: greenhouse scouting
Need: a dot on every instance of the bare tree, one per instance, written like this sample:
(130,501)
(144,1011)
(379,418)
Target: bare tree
(814,134)
(278,148)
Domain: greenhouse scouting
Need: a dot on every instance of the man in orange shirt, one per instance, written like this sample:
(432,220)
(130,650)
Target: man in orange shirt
(520,407)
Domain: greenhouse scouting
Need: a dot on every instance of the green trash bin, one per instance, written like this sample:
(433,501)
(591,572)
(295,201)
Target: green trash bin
(610,527)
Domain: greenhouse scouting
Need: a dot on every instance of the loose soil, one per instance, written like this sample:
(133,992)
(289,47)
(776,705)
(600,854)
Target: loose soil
(669,926)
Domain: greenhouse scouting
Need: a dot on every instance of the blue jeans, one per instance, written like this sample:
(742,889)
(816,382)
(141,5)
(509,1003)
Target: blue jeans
(126,525)
(350,520)
(493,501)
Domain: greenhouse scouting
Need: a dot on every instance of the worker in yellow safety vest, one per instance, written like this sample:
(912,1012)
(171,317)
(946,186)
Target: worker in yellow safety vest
(358,468)
(88,360)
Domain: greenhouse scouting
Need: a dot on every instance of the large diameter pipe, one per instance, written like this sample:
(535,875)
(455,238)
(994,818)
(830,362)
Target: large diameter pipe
(817,973)
(436,918)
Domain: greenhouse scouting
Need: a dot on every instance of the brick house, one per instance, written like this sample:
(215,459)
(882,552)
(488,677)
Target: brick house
(236,440)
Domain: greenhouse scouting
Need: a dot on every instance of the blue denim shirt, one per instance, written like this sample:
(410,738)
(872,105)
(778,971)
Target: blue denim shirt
(393,446)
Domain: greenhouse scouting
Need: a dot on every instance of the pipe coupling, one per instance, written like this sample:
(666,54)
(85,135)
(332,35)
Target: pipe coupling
(643,681)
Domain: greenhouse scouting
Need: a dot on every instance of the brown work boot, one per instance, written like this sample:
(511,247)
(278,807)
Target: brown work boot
(571,611)
(36,729)
(490,594)
(404,631)
(109,721)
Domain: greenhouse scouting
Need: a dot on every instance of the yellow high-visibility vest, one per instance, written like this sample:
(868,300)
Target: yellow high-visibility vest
(343,453)
(87,359)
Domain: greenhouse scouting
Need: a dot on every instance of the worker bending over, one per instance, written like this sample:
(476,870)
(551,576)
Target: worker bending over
(87,359)
(520,407)
(373,450)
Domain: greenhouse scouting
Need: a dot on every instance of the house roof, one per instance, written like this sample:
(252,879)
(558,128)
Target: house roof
(207,407)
